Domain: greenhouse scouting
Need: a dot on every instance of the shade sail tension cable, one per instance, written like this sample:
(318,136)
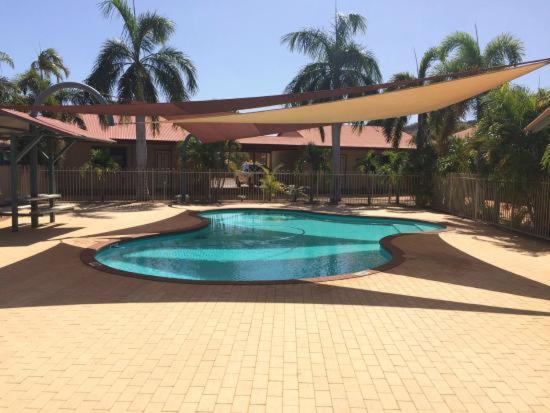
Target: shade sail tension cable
(231,105)
(401,102)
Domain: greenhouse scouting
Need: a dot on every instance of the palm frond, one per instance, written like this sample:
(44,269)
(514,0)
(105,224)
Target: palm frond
(49,63)
(348,25)
(462,47)
(110,7)
(504,49)
(113,58)
(311,42)
(152,30)
(6,58)
(30,83)
(361,60)
(169,67)
(314,76)
(428,59)
(8,91)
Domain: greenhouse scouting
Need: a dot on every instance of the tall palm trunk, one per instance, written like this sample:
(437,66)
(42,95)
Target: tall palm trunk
(142,190)
(335,181)
(421,137)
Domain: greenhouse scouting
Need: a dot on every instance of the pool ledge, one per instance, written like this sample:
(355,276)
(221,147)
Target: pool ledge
(398,255)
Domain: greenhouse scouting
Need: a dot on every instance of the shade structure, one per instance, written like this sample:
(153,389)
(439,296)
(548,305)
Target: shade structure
(380,106)
(540,122)
(14,123)
(217,120)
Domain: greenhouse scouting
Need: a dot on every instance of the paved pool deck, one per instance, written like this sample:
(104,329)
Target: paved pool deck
(463,324)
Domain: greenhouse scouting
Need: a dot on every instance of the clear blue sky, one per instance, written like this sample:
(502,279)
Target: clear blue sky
(236,44)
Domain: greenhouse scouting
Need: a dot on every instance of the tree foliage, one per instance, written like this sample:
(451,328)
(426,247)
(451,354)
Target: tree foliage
(337,61)
(506,150)
(313,158)
(139,65)
(219,156)
(269,184)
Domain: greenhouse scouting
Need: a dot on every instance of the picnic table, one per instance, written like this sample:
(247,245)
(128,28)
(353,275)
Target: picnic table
(44,204)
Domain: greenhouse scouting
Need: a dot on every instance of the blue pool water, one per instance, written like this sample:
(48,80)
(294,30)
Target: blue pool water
(261,245)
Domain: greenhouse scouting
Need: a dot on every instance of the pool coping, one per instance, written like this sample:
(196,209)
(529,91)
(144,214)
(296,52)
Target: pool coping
(87,256)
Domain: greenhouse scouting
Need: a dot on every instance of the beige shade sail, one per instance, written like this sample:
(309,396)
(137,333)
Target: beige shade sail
(380,106)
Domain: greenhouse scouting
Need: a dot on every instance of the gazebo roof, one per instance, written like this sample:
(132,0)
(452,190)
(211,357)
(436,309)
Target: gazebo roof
(15,123)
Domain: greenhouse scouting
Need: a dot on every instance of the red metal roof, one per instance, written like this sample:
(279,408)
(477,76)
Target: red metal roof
(466,133)
(371,137)
(127,132)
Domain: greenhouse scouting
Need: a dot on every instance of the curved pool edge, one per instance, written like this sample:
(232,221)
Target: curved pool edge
(87,256)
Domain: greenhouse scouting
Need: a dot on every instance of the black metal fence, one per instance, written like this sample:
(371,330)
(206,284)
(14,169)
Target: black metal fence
(521,206)
(165,185)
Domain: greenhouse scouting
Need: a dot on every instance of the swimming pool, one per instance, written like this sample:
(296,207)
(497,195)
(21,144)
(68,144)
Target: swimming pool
(262,245)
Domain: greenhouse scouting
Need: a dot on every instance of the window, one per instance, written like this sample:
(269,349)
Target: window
(119,156)
(164,160)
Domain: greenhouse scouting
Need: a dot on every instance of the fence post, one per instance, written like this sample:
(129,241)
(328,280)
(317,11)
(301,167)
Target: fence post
(476,198)
(14,187)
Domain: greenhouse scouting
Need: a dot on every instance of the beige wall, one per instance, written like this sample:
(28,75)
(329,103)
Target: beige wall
(163,155)
(167,153)
(286,158)
(289,157)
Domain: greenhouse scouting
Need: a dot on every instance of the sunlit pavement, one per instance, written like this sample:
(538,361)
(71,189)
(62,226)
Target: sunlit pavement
(463,324)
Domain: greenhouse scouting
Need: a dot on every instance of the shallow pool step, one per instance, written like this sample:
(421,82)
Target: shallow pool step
(406,228)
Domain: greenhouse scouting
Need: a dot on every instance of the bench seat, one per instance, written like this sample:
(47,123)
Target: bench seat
(57,209)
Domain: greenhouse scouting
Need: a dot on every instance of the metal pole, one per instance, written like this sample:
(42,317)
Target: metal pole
(14,185)
(183,169)
(51,175)
(34,185)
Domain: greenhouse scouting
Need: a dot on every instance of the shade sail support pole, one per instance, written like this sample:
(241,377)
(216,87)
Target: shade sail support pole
(14,185)
(183,155)
(51,174)
(33,176)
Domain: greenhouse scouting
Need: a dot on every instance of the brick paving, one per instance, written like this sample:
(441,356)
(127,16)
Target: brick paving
(462,325)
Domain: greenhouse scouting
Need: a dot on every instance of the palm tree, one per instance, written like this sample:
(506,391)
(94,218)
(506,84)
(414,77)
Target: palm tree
(338,61)
(460,51)
(7,88)
(509,151)
(369,162)
(513,155)
(216,158)
(427,63)
(394,168)
(393,127)
(269,184)
(38,77)
(316,158)
(49,63)
(140,67)
(5,58)
(100,164)
(31,84)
